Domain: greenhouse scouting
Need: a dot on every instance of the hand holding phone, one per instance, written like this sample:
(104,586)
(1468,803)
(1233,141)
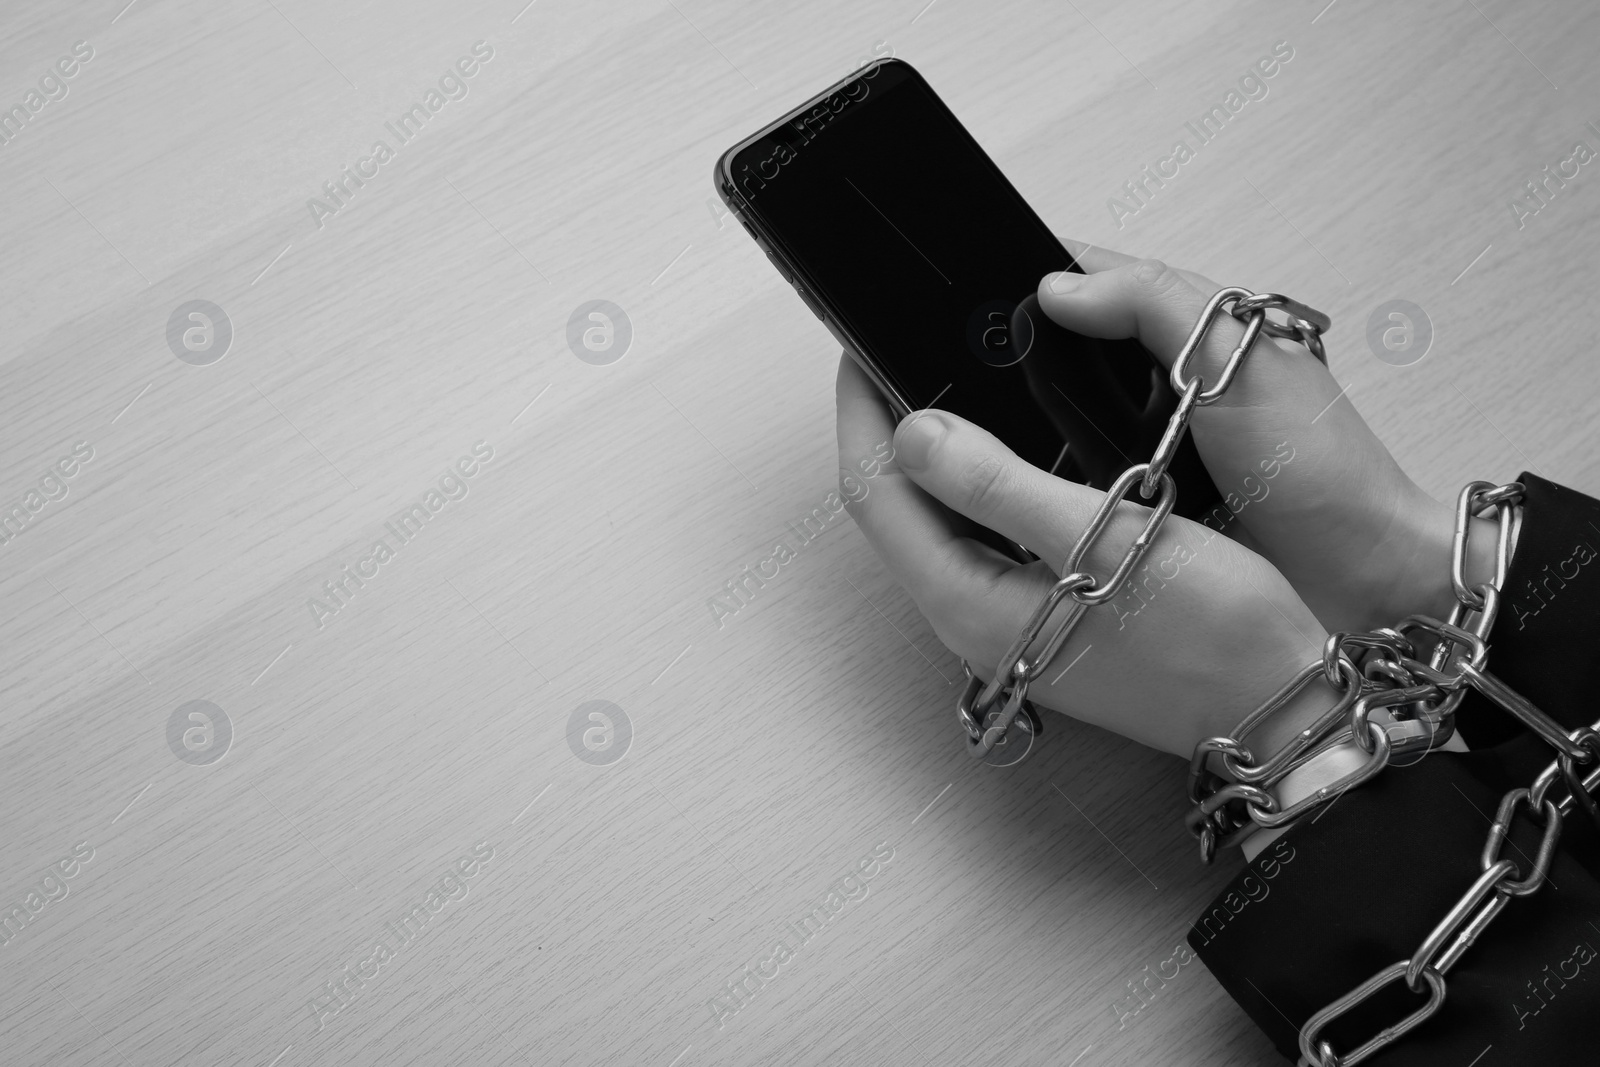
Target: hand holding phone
(948,292)
(1205,629)
(1311,486)
(1207,625)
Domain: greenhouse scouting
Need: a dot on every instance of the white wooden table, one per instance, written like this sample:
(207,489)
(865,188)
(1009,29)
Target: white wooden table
(368,747)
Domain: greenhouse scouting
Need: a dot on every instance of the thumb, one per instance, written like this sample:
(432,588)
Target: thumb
(1158,305)
(1145,299)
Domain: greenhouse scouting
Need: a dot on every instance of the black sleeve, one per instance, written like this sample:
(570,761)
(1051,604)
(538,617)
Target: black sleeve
(1356,888)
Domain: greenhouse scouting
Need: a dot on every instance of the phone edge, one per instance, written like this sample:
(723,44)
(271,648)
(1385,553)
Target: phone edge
(728,192)
(771,245)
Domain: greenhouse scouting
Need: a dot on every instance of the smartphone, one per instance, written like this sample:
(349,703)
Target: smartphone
(900,234)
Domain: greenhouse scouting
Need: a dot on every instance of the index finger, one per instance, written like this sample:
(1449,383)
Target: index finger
(916,537)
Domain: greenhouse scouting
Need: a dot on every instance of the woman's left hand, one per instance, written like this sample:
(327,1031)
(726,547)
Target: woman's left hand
(1209,631)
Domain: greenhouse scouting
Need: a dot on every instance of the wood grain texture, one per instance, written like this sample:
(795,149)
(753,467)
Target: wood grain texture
(770,754)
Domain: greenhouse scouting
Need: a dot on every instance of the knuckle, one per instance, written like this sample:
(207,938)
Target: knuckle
(944,617)
(981,484)
(982,641)
(1152,274)
(972,623)
(961,637)
(947,604)
(946,614)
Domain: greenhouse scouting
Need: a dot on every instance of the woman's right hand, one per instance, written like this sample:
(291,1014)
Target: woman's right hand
(1361,543)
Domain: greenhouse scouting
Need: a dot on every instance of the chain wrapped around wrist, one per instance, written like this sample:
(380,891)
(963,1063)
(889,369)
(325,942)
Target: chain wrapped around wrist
(1425,694)
(1394,693)
(1392,699)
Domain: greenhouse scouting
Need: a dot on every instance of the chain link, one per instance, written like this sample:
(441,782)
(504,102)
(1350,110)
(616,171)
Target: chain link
(1411,701)
(1456,664)
(1402,699)
(988,710)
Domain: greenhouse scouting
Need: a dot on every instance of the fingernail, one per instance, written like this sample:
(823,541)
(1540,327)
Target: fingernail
(915,440)
(1065,281)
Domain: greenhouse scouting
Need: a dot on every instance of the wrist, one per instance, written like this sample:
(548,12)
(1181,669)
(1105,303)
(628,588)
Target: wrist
(1418,580)
(1431,589)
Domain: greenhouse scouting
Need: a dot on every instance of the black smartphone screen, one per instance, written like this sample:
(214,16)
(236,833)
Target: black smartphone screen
(881,203)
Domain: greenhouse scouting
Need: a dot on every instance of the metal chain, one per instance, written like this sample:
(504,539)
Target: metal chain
(1398,703)
(988,710)
(1489,893)
(1388,702)
(1402,703)
(1392,693)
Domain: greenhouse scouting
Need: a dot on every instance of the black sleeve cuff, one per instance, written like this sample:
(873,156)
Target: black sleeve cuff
(1546,642)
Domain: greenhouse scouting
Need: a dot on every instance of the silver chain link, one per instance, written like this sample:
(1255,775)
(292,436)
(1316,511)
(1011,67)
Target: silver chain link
(1411,702)
(1398,702)
(988,710)
(1498,881)
(1427,693)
